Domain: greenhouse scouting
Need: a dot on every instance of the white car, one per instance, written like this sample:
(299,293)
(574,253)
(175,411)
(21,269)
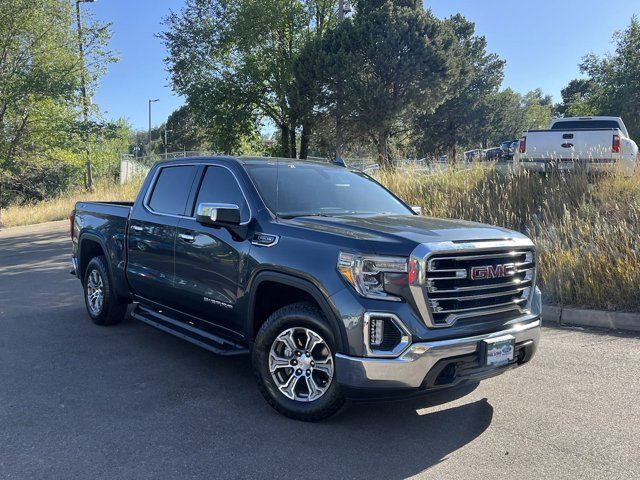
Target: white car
(593,143)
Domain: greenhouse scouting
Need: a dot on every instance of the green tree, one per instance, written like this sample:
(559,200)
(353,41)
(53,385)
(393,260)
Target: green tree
(577,98)
(391,61)
(234,61)
(40,126)
(537,110)
(184,131)
(503,118)
(460,119)
(612,84)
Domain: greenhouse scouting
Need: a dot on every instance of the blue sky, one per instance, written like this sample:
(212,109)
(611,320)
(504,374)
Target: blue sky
(542,42)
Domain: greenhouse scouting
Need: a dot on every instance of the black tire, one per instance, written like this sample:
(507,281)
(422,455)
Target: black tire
(303,316)
(112,309)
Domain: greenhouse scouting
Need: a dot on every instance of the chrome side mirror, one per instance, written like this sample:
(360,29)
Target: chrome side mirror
(220,214)
(417,210)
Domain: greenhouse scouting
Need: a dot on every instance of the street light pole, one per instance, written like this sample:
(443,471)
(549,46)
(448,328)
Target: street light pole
(85,99)
(149,145)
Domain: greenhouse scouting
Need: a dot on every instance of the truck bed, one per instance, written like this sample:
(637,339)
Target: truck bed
(559,144)
(105,223)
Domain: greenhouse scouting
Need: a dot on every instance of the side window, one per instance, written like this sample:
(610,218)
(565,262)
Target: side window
(171,190)
(220,186)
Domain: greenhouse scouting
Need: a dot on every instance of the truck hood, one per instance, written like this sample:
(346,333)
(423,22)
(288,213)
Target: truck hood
(399,234)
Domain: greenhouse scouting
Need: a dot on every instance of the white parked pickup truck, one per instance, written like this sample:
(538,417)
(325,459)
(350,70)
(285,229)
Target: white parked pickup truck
(593,143)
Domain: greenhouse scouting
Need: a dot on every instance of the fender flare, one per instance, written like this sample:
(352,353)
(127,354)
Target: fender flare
(82,263)
(307,286)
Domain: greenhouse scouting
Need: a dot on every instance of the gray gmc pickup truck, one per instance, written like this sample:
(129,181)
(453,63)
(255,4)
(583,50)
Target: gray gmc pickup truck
(335,286)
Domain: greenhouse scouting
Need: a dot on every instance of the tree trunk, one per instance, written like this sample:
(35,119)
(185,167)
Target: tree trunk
(383,150)
(339,136)
(1,199)
(304,140)
(292,134)
(285,137)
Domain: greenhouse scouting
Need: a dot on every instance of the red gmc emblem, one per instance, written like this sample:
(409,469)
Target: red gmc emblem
(488,271)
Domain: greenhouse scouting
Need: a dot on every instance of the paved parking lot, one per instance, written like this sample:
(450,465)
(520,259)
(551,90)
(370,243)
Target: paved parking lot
(81,401)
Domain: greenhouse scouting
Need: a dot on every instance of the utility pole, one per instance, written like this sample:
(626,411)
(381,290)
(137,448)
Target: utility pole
(149,144)
(85,99)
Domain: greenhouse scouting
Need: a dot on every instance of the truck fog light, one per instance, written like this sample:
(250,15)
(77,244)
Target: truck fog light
(376,332)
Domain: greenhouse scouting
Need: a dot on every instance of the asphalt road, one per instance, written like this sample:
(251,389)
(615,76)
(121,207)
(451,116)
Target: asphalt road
(131,402)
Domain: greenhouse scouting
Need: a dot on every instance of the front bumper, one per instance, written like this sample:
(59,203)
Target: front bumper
(624,166)
(422,365)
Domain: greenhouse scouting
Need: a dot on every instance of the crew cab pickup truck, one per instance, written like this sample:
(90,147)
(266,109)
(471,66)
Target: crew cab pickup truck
(336,287)
(595,144)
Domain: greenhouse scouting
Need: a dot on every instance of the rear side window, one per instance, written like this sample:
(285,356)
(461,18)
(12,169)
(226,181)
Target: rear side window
(172,189)
(220,186)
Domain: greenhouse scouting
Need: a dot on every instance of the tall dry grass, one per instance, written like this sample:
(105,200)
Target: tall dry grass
(586,228)
(60,207)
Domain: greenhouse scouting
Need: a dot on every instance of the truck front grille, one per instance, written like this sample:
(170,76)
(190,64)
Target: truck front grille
(478,283)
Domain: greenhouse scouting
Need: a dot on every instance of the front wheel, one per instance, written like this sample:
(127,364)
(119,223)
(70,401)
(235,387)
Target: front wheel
(293,360)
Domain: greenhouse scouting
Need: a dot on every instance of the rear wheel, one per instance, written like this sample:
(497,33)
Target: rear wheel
(103,306)
(293,360)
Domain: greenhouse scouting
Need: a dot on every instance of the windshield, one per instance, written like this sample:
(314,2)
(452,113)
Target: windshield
(321,190)
(584,124)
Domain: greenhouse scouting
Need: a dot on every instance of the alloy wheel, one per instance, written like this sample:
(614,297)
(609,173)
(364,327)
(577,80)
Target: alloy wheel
(301,364)
(95,292)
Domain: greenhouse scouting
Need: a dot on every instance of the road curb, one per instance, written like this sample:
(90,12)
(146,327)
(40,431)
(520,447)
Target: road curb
(591,318)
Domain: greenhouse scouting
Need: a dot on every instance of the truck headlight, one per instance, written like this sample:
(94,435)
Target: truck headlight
(368,274)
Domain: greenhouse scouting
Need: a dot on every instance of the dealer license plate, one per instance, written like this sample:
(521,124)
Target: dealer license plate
(499,351)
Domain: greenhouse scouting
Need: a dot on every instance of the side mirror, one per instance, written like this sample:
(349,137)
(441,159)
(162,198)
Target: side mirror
(417,210)
(218,214)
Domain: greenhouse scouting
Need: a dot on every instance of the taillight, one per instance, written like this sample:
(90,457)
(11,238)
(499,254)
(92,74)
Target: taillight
(615,146)
(72,220)
(523,145)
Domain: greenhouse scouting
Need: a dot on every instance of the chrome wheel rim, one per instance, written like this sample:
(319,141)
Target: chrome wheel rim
(301,364)
(95,292)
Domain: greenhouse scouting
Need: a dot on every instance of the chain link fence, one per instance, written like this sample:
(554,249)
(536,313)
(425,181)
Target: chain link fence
(132,167)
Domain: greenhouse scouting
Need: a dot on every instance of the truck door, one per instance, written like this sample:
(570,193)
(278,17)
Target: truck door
(209,260)
(152,232)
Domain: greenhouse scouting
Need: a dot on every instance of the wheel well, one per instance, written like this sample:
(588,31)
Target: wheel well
(272,296)
(88,249)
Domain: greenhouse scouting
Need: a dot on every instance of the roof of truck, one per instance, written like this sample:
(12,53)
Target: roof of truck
(250,161)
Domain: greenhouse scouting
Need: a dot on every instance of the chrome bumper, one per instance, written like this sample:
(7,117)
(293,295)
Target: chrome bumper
(410,369)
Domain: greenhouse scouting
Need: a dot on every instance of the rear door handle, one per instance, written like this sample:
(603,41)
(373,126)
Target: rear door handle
(136,228)
(186,237)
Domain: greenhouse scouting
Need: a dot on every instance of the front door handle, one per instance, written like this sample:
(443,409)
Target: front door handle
(136,228)
(186,237)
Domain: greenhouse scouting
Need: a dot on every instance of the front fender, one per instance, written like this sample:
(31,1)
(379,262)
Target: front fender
(307,285)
